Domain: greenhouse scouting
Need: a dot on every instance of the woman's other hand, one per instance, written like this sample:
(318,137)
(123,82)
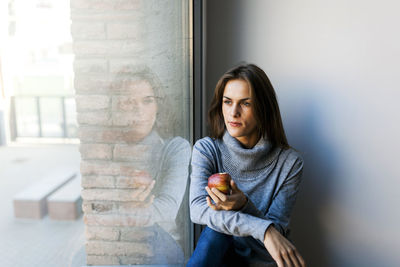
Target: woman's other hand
(144,192)
(235,201)
(281,250)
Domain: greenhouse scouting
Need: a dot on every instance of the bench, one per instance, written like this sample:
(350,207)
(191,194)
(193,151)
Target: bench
(31,202)
(66,202)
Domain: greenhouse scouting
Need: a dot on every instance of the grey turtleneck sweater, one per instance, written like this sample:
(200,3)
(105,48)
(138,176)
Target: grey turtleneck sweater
(269,177)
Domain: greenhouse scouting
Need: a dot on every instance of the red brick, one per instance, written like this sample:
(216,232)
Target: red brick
(132,207)
(135,234)
(96,151)
(100,168)
(116,248)
(110,194)
(123,152)
(135,173)
(99,118)
(107,135)
(115,220)
(98,181)
(99,207)
(102,233)
(132,182)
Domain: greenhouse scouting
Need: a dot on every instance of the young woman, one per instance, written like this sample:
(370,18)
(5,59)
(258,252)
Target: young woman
(249,225)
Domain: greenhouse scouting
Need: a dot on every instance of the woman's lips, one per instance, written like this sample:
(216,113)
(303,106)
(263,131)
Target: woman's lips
(235,124)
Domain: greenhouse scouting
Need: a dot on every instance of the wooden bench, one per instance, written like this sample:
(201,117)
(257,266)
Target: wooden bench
(31,202)
(66,202)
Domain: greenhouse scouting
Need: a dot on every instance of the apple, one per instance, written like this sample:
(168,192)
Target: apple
(221,181)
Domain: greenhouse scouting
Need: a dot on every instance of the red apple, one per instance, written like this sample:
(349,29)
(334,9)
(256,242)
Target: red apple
(221,181)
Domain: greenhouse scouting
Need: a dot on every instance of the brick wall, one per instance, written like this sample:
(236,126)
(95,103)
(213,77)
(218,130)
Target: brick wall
(112,40)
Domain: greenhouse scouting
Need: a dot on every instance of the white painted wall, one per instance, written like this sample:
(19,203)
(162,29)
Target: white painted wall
(335,66)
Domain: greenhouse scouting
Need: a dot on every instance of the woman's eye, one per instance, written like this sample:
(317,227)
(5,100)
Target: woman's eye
(227,102)
(246,104)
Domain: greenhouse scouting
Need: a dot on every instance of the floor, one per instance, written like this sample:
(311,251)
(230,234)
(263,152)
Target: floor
(43,242)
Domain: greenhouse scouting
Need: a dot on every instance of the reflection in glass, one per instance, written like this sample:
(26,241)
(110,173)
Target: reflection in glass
(70,117)
(160,169)
(28,120)
(51,115)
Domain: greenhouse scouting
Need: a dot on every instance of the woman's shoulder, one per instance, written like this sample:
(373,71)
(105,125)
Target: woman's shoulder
(177,144)
(291,158)
(206,144)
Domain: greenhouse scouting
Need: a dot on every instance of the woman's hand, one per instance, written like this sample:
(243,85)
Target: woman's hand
(144,191)
(235,201)
(281,250)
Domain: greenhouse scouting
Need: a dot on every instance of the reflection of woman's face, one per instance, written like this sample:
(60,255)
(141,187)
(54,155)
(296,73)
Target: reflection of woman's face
(144,110)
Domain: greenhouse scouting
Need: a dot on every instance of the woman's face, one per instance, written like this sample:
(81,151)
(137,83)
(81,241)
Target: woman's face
(238,113)
(144,110)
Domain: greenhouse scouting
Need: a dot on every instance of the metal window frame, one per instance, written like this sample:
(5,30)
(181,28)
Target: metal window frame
(198,87)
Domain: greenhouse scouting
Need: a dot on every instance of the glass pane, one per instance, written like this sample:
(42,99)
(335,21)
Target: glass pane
(70,114)
(132,81)
(27,118)
(51,116)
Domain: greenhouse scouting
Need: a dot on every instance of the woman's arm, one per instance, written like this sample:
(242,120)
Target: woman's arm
(228,222)
(175,174)
(283,203)
(281,207)
(164,201)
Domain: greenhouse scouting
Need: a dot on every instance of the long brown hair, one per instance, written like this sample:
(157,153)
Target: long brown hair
(264,101)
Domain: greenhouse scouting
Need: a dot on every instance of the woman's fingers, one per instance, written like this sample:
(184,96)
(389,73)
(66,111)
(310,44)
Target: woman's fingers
(145,193)
(219,194)
(149,202)
(213,196)
(289,259)
(282,250)
(234,186)
(211,205)
(280,262)
(300,259)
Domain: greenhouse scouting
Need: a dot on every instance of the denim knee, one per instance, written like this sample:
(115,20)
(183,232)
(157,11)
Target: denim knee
(210,249)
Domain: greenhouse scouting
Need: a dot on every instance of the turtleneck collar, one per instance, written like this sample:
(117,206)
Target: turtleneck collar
(246,159)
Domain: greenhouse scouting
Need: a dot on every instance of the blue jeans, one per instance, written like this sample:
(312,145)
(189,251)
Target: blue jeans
(217,249)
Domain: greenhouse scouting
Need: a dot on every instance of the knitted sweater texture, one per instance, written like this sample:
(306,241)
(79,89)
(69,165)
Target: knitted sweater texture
(269,177)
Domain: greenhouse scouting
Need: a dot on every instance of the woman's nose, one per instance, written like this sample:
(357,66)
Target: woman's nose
(235,111)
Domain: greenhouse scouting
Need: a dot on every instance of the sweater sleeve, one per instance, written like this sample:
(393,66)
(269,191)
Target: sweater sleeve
(175,172)
(170,192)
(283,201)
(228,222)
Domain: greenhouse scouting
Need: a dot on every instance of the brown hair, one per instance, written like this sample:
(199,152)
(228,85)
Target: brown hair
(264,102)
